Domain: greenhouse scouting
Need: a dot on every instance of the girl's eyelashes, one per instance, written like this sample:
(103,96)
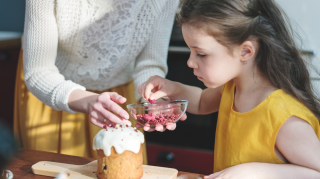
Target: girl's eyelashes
(201,55)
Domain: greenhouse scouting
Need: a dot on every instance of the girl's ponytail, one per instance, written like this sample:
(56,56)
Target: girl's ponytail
(279,57)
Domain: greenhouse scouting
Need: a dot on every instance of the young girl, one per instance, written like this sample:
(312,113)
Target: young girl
(268,114)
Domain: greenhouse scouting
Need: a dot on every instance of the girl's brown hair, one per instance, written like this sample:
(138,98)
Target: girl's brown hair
(232,22)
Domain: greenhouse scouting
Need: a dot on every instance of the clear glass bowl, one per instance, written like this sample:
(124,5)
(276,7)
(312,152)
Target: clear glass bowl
(161,112)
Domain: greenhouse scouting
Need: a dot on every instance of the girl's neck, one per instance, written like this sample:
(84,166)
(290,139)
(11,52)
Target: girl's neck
(252,80)
(250,90)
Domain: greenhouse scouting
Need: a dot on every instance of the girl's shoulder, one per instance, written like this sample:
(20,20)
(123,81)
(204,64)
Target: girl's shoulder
(281,105)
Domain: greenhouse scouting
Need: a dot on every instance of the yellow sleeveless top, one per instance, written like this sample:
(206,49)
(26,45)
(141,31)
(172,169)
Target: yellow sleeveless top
(250,136)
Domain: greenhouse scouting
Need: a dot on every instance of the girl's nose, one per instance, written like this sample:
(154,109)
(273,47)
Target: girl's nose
(191,63)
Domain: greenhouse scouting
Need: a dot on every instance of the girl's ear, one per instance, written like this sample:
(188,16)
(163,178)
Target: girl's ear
(248,50)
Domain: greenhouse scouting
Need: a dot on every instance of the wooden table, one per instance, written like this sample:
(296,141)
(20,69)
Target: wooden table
(20,166)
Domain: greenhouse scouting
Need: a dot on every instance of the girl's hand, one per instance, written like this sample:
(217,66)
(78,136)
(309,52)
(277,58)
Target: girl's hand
(159,86)
(104,110)
(241,171)
(159,127)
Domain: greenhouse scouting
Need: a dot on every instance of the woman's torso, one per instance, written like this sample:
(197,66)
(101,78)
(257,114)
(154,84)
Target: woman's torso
(99,40)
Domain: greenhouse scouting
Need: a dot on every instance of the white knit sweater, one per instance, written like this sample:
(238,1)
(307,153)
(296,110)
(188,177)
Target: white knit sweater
(93,44)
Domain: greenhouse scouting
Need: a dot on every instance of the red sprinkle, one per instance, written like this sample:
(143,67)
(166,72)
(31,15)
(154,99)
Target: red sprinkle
(152,101)
(127,125)
(136,130)
(105,127)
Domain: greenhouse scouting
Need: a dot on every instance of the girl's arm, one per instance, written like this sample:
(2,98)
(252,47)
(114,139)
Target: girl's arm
(200,101)
(266,171)
(298,143)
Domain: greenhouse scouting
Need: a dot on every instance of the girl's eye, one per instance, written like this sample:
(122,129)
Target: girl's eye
(201,55)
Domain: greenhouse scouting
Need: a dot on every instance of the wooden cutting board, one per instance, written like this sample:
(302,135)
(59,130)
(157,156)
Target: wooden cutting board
(89,170)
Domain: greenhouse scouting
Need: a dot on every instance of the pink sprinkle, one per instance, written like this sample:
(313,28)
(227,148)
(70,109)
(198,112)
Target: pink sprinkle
(154,119)
(152,101)
(105,127)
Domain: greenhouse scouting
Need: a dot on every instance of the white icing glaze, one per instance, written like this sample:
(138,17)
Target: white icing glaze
(121,138)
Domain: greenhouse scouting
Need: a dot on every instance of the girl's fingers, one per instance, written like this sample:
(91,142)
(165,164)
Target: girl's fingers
(148,88)
(138,125)
(171,126)
(108,115)
(148,128)
(113,107)
(159,128)
(184,117)
(158,94)
(141,89)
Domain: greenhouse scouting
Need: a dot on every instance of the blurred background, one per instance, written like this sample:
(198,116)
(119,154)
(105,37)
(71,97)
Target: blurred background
(12,15)
(190,147)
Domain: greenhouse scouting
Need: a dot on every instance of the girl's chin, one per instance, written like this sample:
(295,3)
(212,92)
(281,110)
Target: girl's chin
(210,85)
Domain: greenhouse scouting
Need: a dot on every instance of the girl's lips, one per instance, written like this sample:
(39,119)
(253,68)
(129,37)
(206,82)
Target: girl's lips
(199,78)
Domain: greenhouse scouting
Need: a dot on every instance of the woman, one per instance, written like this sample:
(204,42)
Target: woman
(80,56)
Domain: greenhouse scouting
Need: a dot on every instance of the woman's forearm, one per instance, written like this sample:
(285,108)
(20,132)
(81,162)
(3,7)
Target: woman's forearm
(80,100)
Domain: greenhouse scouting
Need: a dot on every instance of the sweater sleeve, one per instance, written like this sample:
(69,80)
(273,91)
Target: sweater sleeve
(153,58)
(40,43)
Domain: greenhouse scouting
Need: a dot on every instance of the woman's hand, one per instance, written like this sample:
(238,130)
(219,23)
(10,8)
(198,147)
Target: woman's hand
(103,109)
